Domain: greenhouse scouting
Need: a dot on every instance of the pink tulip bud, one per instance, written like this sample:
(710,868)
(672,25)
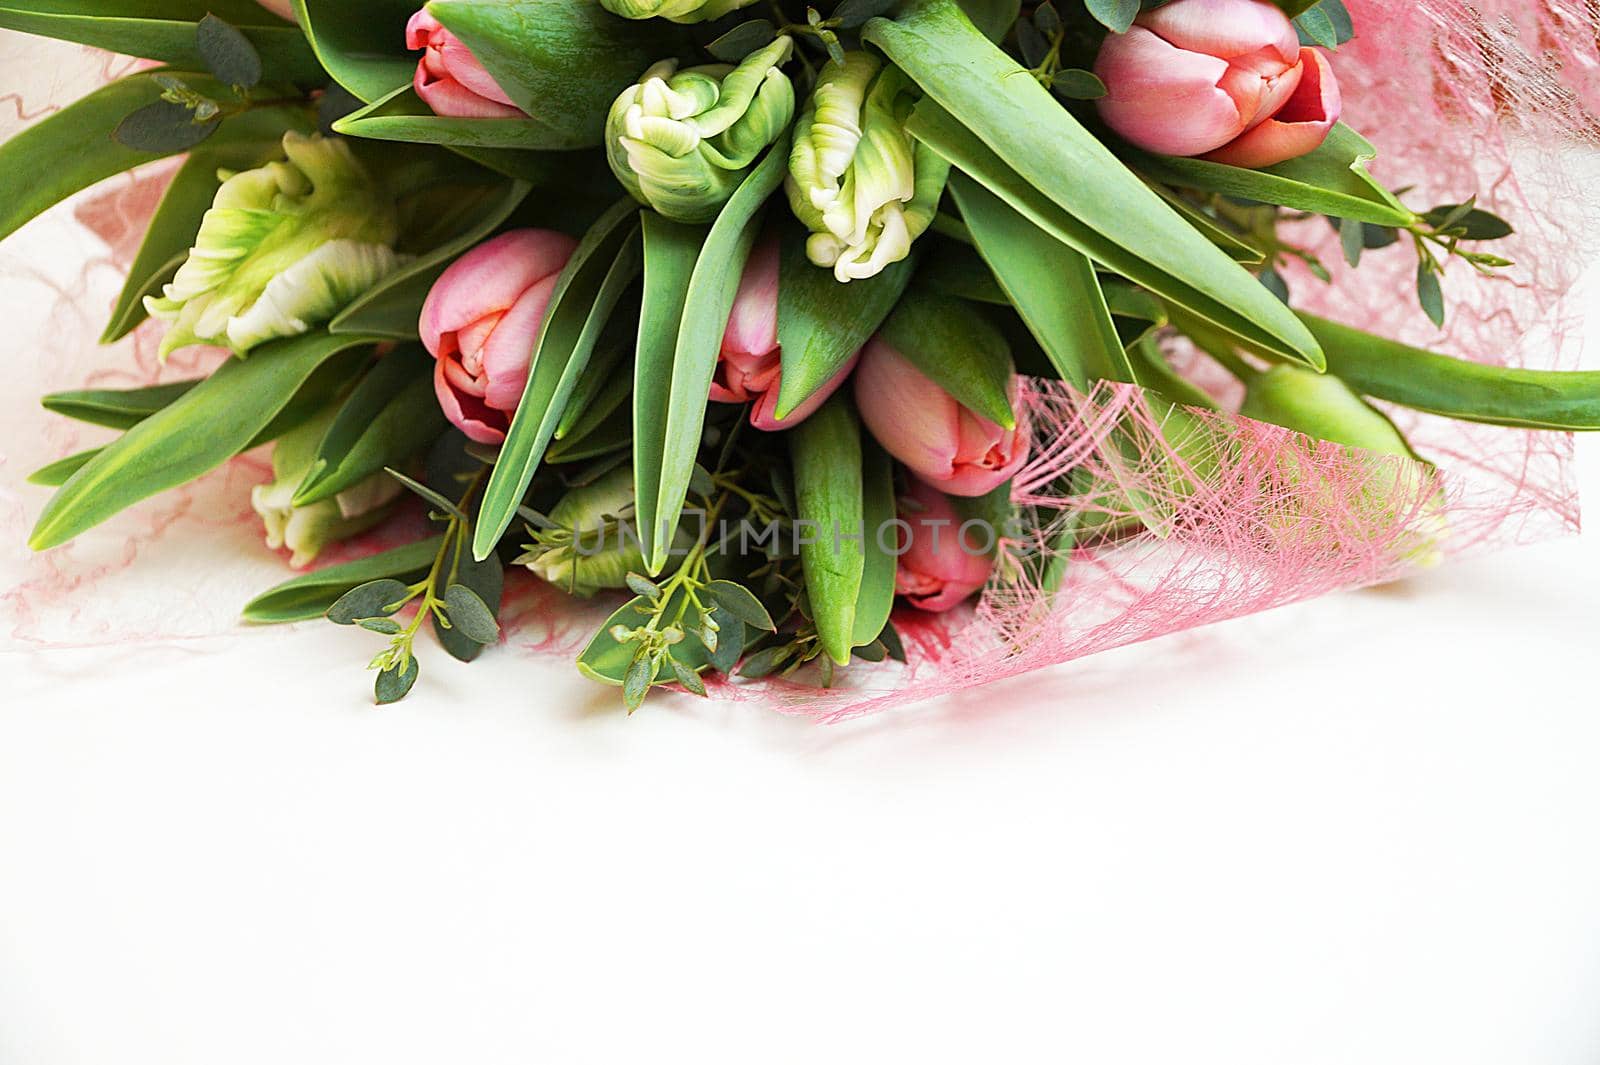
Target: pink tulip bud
(284,9)
(1194,75)
(449,78)
(1299,127)
(481,321)
(750,369)
(919,423)
(941,563)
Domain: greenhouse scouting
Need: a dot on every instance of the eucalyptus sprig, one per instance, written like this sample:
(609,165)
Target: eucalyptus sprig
(441,596)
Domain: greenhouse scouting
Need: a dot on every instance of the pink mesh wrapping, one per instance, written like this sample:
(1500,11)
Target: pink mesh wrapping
(1495,98)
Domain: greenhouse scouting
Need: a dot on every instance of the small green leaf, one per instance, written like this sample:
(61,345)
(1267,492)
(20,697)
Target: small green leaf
(469,615)
(1353,239)
(688,678)
(395,683)
(1473,222)
(382,626)
(227,53)
(487,581)
(636,684)
(643,586)
(743,39)
(742,604)
(116,408)
(163,128)
(1075,84)
(374,599)
(1430,294)
(1116,15)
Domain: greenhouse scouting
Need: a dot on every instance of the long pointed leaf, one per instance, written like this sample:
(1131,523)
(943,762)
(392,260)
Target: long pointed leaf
(969,154)
(1024,126)
(210,424)
(876,599)
(602,267)
(825,450)
(1053,287)
(707,304)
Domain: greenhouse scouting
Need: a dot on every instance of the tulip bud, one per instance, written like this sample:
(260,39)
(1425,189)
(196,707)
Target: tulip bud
(480,322)
(306,530)
(954,449)
(284,9)
(857,180)
(674,10)
(749,368)
(593,542)
(283,248)
(682,141)
(1321,406)
(1195,76)
(940,563)
(449,77)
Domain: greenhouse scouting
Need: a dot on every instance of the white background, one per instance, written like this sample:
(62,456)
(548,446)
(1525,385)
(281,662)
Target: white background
(1361,830)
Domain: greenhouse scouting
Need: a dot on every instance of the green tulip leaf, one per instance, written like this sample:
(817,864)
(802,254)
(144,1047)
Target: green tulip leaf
(996,122)
(1457,388)
(1333,180)
(312,595)
(57,473)
(1053,287)
(880,543)
(361,43)
(116,408)
(822,323)
(956,348)
(211,423)
(402,116)
(826,453)
(166,30)
(73,148)
(672,385)
(605,263)
(388,417)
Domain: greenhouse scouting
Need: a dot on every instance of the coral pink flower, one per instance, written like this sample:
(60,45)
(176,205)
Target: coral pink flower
(919,423)
(284,9)
(939,567)
(1194,75)
(750,369)
(481,321)
(449,78)
(1299,127)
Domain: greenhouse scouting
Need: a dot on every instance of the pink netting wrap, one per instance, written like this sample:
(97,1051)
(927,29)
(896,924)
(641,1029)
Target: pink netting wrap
(1496,98)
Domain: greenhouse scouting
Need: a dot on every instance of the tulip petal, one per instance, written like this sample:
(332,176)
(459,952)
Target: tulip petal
(938,569)
(914,419)
(1164,99)
(1227,29)
(467,413)
(753,324)
(509,350)
(489,279)
(451,99)
(1298,129)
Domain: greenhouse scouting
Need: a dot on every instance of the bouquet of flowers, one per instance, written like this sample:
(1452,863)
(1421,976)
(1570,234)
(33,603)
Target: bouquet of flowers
(781,332)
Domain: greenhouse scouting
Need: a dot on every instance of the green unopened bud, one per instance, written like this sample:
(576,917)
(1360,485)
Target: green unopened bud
(306,530)
(1399,487)
(593,542)
(857,179)
(682,141)
(284,247)
(674,10)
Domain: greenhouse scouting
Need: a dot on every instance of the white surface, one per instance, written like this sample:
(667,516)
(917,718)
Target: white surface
(1358,831)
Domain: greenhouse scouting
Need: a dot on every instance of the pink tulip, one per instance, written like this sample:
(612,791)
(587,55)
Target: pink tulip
(481,321)
(284,9)
(1299,127)
(750,369)
(1194,75)
(449,78)
(939,568)
(919,423)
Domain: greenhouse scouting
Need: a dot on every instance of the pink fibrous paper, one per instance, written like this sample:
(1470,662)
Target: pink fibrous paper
(1496,99)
